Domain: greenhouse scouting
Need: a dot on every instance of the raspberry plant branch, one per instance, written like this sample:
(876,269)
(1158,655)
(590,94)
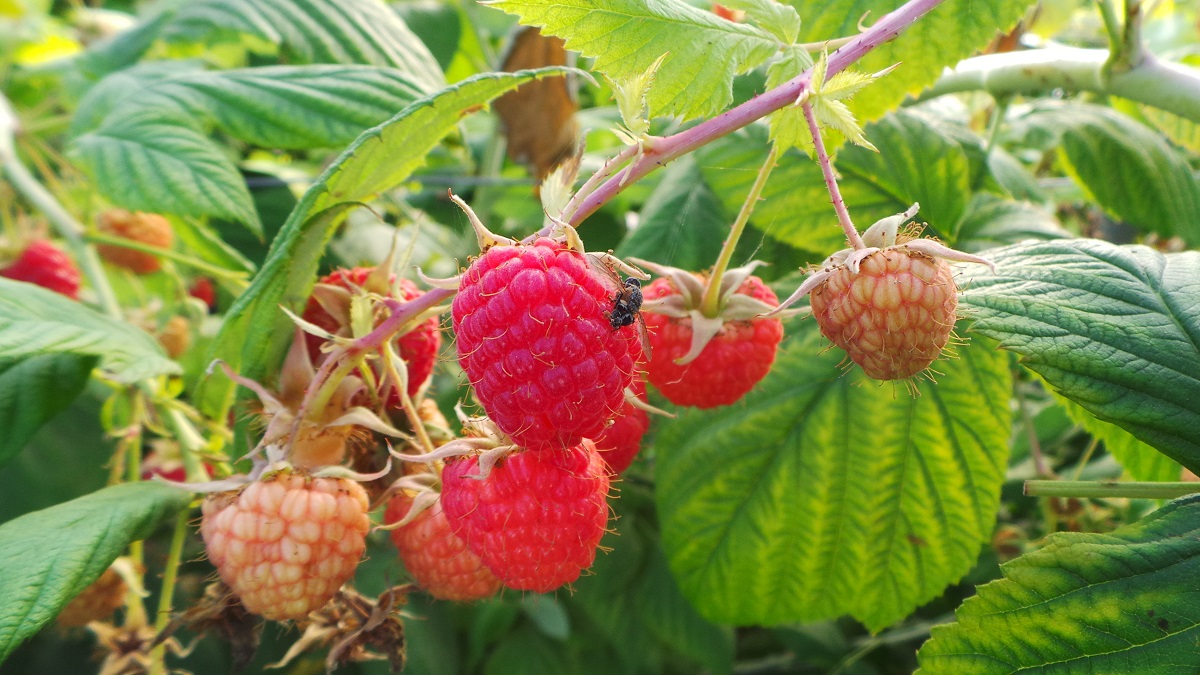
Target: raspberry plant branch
(709,305)
(835,194)
(167,596)
(659,152)
(238,278)
(1087,489)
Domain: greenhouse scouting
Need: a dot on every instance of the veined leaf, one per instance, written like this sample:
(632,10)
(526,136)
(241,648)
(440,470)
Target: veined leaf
(365,32)
(915,163)
(154,136)
(36,321)
(625,37)
(35,389)
(1122,603)
(1141,461)
(791,507)
(788,126)
(682,223)
(991,221)
(381,158)
(1126,167)
(953,31)
(1115,329)
(777,18)
(47,557)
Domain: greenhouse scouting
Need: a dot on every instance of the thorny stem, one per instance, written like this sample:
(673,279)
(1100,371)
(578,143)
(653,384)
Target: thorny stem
(835,195)
(167,596)
(663,150)
(712,292)
(589,186)
(1089,489)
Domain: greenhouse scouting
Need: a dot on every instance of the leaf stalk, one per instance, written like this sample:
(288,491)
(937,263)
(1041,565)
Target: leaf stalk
(1087,489)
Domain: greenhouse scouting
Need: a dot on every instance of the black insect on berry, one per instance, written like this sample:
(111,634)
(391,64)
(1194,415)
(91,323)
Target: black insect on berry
(626,304)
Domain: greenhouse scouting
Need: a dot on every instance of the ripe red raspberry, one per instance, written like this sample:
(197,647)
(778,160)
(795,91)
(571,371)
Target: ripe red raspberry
(150,229)
(619,443)
(418,347)
(285,544)
(536,342)
(46,265)
(204,290)
(537,518)
(736,358)
(894,317)
(438,559)
(97,602)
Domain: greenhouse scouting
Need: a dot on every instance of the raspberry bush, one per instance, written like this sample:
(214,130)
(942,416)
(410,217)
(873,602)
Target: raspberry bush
(648,337)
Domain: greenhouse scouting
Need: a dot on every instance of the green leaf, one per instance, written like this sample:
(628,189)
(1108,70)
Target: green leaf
(1115,329)
(951,32)
(788,126)
(1143,462)
(991,221)
(1127,168)
(36,321)
(155,136)
(525,651)
(776,18)
(35,389)
(365,32)
(671,619)
(1122,603)
(823,493)
(682,224)
(626,37)
(379,159)
(915,163)
(47,557)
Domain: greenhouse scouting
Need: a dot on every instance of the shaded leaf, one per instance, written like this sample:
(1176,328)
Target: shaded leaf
(47,557)
(1113,328)
(670,618)
(35,389)
(1141,461)
(1121,603)
(682,224)
(789,506)
(35,321)
(991,221)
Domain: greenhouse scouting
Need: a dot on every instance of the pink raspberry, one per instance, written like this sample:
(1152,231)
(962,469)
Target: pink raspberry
(535,339)
(438,559)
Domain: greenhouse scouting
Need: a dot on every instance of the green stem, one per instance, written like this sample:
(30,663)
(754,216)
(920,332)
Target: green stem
(213,270)
(710,305)
(1089,489)
(191,442)
(1112,25)
(1087,457)
(167,595)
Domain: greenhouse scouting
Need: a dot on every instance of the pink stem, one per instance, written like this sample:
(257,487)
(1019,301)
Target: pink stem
(831,184)
(658,152)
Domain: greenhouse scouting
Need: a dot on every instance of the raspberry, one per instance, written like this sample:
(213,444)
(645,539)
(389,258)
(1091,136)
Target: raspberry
(536,519)
(418,347)
(894,317)
(736,358)
(46,265)
(619,443)
(204,290)
(150,229)
(438,559)
(97,602)
(175,336)
(285,544)
(536,342)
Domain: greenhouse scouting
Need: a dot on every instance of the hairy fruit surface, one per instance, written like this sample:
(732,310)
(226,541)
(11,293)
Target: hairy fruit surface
(285,544)
(737,357)
(45,265)
(150,229)
(437,558)
(536,341)
(620,441)
(894,316)
(536,519)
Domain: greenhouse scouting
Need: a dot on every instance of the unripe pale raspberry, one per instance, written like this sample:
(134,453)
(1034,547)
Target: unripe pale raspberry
(537,518)
(438,560)
(46,265)
(894,317)
(285,544)
(736,359)
(145,228)
(97,602)
(535,339)
(418,347)
(619,442)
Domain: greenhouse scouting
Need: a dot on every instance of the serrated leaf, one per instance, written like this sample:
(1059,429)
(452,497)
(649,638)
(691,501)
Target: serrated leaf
(626,36)
(379,159)
(915,163)
(776,18)
(788,126)
(1126,167)
(1114,328)
(365,32)
(155,136)
(35,321)
(992,221)
(1121,603)
(1141,461)
(952,31)
(47,557)
(35,389)
(822,494)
